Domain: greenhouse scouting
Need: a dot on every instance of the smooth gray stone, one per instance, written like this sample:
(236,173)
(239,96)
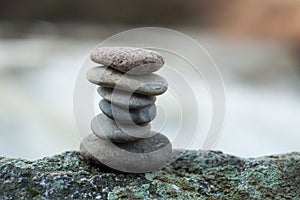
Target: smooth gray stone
(122,115)
(128,59)
(143,155)
(126,99)
(150,84)
(106,128)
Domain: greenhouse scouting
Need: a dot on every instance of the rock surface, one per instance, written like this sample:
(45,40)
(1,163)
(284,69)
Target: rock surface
(196,175)
(128,59)
(150,84)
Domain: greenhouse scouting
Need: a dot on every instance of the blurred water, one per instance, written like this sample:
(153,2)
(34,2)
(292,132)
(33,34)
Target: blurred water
(38,76)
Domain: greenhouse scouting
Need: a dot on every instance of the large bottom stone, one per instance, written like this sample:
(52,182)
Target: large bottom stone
(106,128)
(143,155)
(122,115)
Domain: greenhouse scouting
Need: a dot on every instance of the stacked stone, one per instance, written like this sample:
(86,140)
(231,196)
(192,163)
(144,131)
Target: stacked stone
(128,87)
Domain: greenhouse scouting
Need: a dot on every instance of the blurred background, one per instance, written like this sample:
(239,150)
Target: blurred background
(256,45)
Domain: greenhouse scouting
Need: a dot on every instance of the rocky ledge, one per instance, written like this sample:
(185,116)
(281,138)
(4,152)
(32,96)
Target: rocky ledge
(196,175)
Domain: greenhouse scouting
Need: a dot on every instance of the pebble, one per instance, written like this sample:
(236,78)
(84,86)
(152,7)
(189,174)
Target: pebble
(129,60)
(122,115)
(125,99)
(150,84)
(106,128)
(143,155)
(121,136)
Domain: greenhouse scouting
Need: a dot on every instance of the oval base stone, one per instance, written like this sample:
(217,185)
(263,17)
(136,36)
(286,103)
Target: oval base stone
(122,115)
(106,128)
(143,155)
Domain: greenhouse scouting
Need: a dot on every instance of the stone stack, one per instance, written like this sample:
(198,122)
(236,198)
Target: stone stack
(122,136)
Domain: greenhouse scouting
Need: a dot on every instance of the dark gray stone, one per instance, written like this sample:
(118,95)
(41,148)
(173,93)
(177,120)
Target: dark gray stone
(122,115)
(150,84)
(128,59)
(106,128)
(143,155)
(126,99)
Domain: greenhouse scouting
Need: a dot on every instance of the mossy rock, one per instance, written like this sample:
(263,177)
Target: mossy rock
(195,175)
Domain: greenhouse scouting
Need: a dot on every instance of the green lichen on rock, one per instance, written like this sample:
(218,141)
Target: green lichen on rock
(195,175)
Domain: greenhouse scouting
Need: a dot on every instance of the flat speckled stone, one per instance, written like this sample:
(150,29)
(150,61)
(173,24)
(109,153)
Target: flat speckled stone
(106,128)
(126,99)
(150,84)
(128,59)
(138,116)
(143,155)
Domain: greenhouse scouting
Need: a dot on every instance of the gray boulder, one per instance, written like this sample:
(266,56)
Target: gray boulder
(195,175)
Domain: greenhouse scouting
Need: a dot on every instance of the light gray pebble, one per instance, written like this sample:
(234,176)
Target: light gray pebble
(106,128)
(150,84)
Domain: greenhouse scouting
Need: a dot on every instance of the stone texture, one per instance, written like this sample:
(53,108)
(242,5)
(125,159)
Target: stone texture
(126,99)
(106,128)
(143,155)
(128,59)
(196,175)
(150,84)
(138,116)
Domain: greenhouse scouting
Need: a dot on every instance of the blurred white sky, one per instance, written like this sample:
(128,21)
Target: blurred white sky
(37,76)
